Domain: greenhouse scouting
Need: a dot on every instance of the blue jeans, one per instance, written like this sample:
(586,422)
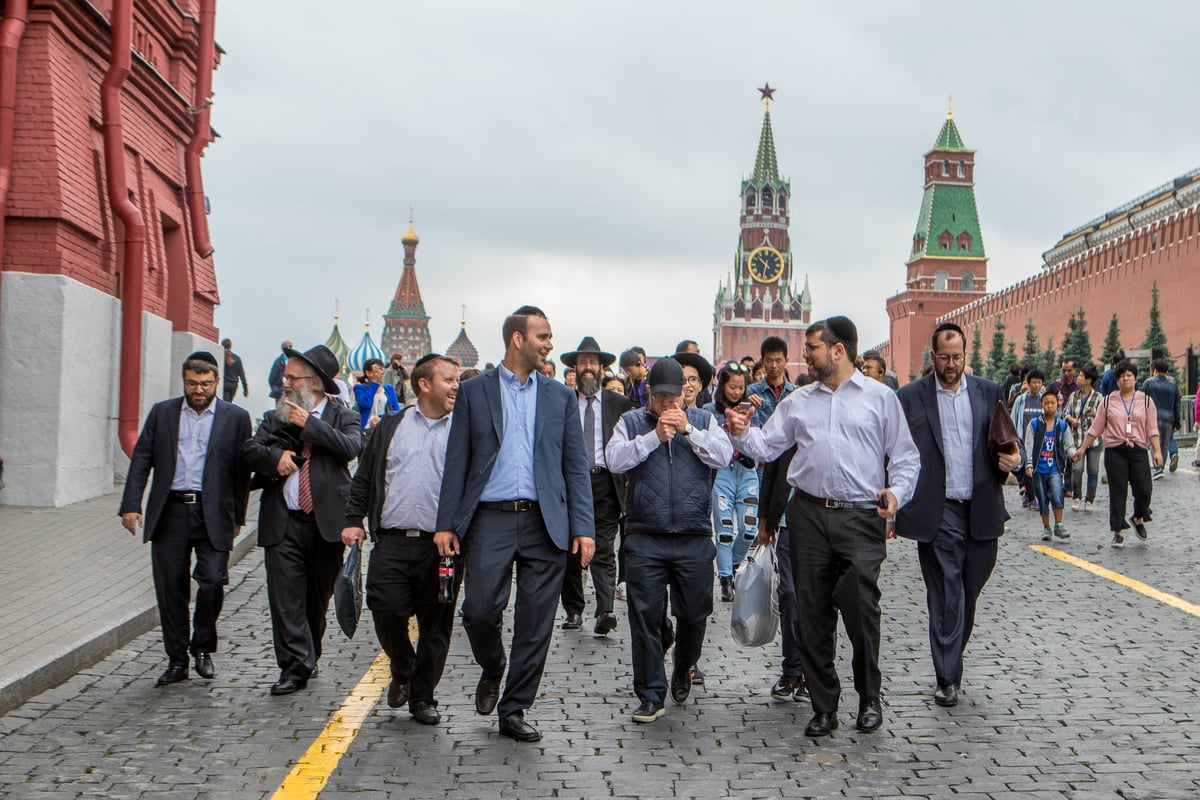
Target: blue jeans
(1048,488)
(735,511)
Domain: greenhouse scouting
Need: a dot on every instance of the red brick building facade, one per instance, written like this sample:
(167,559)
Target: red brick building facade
(64,246)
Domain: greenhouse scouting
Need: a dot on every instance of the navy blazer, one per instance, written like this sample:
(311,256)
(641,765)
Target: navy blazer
(226,481)
(920,518)
(560,468)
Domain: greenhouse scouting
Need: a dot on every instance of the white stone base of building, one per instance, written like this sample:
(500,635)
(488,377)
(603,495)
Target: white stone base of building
(59,388)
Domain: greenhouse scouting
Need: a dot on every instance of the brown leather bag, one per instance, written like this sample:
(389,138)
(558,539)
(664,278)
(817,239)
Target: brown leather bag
(1002,434)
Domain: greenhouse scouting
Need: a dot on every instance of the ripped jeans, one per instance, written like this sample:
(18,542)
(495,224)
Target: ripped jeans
(735,515)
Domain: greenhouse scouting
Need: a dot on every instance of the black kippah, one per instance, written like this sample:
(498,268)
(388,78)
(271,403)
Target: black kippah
(203,355)
(426,357)
(843,329)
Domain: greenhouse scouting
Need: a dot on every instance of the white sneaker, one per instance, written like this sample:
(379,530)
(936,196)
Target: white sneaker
(1089,506)
(1075,504)
(620,592)
(1158,475)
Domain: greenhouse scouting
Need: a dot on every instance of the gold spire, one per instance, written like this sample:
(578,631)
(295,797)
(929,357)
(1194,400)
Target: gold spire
(950,110)
(367,323)
(410,236)
(464,317)
(336,302)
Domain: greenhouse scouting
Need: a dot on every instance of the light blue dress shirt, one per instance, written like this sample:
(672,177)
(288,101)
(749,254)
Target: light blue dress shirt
(192,450)
(512,475)
(958,439)
(416,459)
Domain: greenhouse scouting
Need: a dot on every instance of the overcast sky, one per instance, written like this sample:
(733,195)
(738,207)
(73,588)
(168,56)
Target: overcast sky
(586,157)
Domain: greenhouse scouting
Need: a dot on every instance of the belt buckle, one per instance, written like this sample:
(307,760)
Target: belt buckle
(829,503)
(411,532)
(522,505)
(188,498)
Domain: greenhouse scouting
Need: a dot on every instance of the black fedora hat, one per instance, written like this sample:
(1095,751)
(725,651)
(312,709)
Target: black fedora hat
(321,359)
(591,346)
(697,362)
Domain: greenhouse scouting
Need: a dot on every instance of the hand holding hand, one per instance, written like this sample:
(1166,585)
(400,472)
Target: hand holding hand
(664,431)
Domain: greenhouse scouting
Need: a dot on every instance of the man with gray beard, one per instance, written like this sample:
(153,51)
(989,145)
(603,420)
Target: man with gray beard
(301,452)
(598,412)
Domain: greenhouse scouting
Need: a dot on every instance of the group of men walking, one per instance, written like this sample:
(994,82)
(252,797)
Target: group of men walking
(513,472)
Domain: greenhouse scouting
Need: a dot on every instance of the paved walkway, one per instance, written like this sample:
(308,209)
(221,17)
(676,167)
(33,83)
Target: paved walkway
(76,586)
(1077,686)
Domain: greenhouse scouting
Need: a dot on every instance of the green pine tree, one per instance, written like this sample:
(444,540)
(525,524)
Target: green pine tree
(997,363)
(1156,338)
(976,361)
(1048,361)
(1033,348)
(1112,343)
(1010,355)
(1081,348)
(1068,341)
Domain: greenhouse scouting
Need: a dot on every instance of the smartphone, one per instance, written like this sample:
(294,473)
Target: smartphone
(298,460)
(882,501)
(744,407)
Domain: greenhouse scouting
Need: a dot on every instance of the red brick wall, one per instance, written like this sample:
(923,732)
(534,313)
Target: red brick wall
(59,221)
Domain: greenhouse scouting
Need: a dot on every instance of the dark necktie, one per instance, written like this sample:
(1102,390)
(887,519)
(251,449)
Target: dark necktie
(306,504)
(589,431)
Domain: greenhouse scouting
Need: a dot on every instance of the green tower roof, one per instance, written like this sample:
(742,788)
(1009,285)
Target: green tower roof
(766,167)
(948,138)
(948,208)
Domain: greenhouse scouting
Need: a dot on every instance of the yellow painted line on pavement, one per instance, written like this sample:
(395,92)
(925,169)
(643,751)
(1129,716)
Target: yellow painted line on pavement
(312,771)
(1123,580)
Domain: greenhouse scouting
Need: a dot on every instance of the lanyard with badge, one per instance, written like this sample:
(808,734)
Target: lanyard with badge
(1128,414)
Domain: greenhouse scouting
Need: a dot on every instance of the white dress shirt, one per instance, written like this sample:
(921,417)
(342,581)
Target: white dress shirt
(191,451)
(958,439)
(416,459)
(710,444)
(291,486)
(841,437)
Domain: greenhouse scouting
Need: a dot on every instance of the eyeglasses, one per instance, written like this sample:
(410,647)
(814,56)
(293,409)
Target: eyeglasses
(736,367)
(693,380)
(946,358)
(199,384)
(296,378)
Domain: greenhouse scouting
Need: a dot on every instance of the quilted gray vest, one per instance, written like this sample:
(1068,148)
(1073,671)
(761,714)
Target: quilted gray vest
(671,491)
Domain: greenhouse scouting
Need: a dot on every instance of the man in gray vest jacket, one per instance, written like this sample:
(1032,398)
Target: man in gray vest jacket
(667,453)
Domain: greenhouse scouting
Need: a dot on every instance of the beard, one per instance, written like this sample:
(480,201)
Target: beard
(587,383)
(304,398)
(820,370)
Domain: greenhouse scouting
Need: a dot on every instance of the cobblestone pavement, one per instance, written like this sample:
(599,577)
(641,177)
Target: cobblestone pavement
(1076,687)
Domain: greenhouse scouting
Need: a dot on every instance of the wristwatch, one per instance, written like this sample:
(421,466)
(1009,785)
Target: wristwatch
(689,429)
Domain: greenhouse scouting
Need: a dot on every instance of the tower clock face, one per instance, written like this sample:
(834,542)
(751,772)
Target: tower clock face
(766,264)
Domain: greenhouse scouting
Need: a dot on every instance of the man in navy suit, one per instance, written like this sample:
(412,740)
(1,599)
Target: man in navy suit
(957,512)
(197,503)
(516,491)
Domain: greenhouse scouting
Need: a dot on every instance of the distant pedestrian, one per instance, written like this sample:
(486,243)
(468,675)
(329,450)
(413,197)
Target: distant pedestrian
(570,379)
(768,392)
(1128,421)
(275,378)
(374,398)
(234,372)
(1026,407)
(197,505)
(1049,443)
(1164,391)
(633,364)
(397,376)
(702,395)
(301,452)
(396,489)
(1080,412)
(836,517)
(667,452)
(1108,381)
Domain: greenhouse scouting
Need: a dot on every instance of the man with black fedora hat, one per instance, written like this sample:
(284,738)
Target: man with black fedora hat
(197,504)
(855,465)
(667,453)
(598,413)
(301,452)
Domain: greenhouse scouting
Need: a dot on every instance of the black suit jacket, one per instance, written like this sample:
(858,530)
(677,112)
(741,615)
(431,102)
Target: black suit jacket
(336,441)
(612,406)
(922,516)
(560,468)
(226,481)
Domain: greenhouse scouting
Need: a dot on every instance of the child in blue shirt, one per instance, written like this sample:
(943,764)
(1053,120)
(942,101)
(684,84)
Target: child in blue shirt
(1050,444)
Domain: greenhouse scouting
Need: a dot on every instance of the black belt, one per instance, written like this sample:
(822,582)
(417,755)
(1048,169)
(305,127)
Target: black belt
(510,505)
(411,533)
(304,515)
(187,498)
(957,500)
(599,470)
(835,504)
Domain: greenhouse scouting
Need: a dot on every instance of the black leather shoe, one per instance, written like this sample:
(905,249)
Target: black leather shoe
(573,622)
(726,590)
(287,686)
(681,685)
(487,694)
(648,711)
(514,726)
(870,715)
(822,724)
(204,666)
(424,712)
(397,694)
(946,695)
(174,674)
(606,624)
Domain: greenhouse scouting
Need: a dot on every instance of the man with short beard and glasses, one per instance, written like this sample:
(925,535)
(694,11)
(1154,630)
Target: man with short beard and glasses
(598,412)
(197,504)
(852,440)
(301,451)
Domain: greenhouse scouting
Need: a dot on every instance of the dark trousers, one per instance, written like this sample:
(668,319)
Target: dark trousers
(955,568)
(836,556)
(1127,467)
(496,542)
(229,391)
(607,511)
(301,571)
(653,562)
(788,611)
(181,531)
(402,581)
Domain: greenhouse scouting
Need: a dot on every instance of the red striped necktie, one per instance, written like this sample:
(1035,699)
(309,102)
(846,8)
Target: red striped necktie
(306,503)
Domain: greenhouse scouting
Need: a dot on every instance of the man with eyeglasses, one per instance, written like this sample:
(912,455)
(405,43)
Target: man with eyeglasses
(301,452)
(957,514)
(846,428)
(197,504)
